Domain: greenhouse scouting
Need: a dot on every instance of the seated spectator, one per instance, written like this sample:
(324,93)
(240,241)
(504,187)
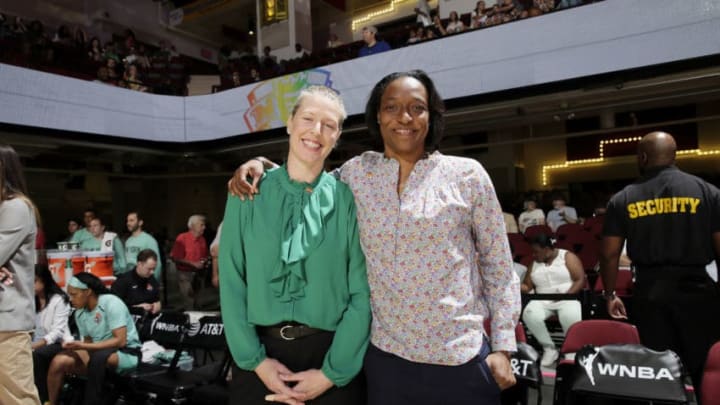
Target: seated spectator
(95,51)
(104,77)
(255,75)
(544,6)
(112,70)
(499,13)
(300,52)
(51,325)
(437,27)
(455,25)
(413,37)
(236,80)
(421,33)
(105,242)
(138,287)
(430,34)
(510,224)
(334,42)
(133,80)
(73,225)
(561,214)
(84,233)
(372,45)
(531,216)
(109,339)
(479,16)
(554,271)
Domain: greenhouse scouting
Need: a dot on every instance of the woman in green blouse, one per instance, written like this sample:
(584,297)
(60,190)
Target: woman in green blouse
(293,286)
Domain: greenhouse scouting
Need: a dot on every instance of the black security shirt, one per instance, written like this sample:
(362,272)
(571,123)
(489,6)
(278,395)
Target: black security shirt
(668,218)
(134,289)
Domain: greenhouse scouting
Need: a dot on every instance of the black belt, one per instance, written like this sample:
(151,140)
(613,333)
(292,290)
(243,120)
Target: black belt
(288,331)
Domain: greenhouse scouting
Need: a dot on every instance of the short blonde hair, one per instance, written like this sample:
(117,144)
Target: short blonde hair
(322,91)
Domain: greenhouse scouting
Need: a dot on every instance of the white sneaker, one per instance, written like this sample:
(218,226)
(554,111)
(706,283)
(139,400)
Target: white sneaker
(549,357)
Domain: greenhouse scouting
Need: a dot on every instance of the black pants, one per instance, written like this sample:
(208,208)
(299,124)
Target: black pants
(297,355)
(41,364)
(678,309)
(395,381)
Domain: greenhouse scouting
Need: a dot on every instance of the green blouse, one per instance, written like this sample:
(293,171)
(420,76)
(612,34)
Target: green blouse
(293,254)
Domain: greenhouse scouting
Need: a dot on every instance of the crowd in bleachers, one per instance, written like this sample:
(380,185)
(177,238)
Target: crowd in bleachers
(122,61)
(126,62)
(240,67)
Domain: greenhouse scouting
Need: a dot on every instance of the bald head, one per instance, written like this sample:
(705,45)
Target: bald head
(656,149)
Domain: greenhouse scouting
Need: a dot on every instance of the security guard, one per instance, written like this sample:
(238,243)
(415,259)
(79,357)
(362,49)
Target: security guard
(671,221)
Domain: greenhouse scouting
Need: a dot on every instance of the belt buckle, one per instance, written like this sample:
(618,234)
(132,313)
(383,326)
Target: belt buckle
(282,332)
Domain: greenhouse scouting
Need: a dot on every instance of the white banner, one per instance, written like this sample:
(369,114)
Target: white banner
(609,36)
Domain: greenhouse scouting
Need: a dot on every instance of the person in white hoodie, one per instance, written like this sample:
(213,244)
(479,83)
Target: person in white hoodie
(18,227)
(52,308)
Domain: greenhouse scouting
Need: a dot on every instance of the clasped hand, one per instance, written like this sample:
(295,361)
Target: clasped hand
(310,384)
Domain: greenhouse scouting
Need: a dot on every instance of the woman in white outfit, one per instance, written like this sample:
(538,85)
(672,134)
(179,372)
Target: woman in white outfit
(554,271)
(51,325)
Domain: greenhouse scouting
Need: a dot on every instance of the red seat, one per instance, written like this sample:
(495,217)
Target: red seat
(711,377)
(594,225)
(532,231)
(518,245)
(597,332)
(568,231)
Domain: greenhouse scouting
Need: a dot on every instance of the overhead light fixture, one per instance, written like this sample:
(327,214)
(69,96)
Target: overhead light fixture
(389,9)
(601,152)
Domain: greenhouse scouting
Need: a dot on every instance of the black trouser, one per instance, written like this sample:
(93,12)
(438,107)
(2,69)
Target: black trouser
(395,381)
(298,355)
(42,357)
(678,309)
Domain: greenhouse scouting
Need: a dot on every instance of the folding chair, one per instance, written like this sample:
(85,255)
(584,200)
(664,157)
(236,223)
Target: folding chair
(711,377)
(176,385)
(166,329)
(595,332)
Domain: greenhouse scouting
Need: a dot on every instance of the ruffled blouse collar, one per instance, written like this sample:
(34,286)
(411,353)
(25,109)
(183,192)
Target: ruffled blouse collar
(306,207)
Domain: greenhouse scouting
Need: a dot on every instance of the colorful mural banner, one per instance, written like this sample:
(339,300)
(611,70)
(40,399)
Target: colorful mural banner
(271,101)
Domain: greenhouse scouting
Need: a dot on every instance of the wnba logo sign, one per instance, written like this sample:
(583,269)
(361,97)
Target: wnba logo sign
(603,369)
